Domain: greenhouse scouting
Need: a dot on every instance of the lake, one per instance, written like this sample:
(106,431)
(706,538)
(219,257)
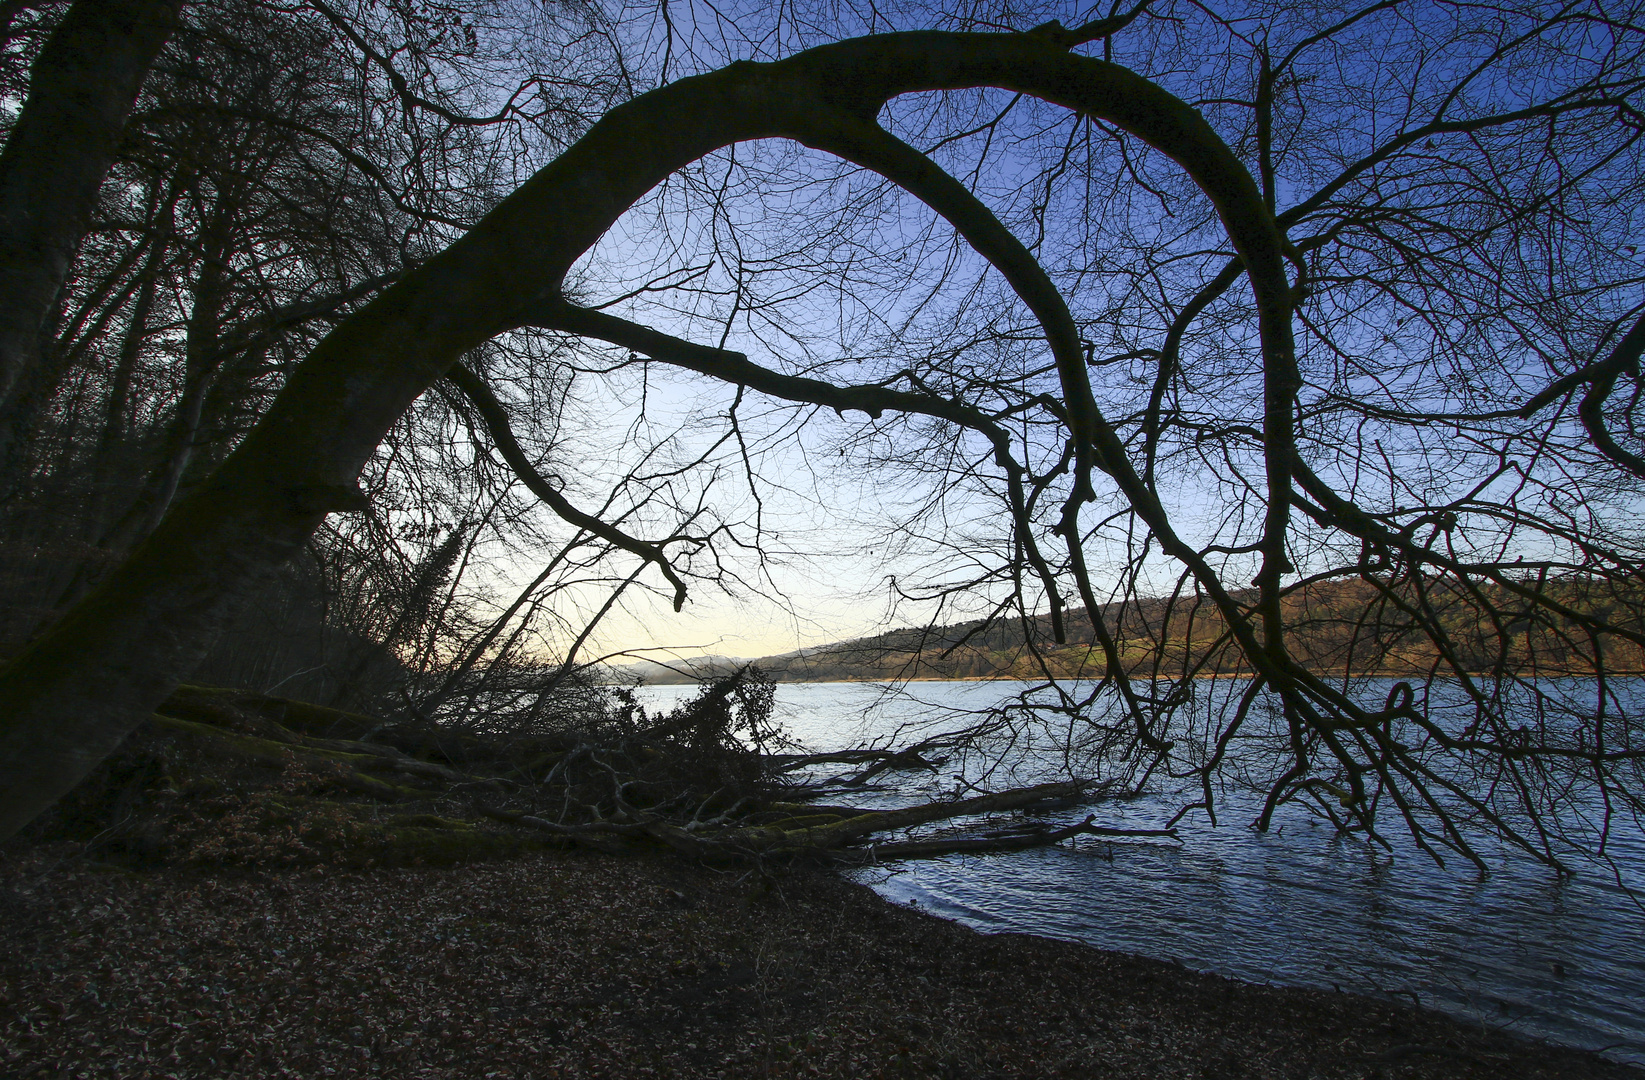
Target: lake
(1519,948)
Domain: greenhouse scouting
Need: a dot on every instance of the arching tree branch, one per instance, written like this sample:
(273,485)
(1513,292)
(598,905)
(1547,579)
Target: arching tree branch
(495,418)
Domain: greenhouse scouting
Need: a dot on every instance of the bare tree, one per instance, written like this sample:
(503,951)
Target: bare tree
(277,171)
(1447,586)
(1272,375)
(81,88)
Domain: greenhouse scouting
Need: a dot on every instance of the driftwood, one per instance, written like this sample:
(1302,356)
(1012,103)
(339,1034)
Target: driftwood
(693,781)
(877,762)
(839,831)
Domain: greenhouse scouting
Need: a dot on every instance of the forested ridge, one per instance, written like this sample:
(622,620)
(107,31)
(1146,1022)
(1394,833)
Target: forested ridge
(1353,628)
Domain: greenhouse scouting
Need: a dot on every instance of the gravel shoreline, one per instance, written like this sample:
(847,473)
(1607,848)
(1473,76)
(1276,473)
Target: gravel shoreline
(580,964)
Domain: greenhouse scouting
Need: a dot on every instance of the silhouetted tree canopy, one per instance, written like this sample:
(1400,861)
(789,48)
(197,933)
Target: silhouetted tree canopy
(1297,343)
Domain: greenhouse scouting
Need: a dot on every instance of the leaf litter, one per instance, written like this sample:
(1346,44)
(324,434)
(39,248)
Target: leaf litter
(584,964)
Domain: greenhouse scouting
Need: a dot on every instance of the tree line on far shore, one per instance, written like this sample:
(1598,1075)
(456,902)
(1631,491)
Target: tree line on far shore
(1342,629)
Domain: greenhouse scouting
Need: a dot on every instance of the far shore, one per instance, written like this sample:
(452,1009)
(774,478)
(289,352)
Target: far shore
(782,678)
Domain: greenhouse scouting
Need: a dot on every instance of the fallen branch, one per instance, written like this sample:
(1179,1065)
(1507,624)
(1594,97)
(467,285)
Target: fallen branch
(693,781)
(1016,840)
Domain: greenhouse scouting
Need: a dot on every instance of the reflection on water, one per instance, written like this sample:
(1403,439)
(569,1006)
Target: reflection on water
(1562,960)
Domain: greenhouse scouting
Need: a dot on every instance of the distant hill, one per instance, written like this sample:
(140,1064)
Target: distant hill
(966,650)
(1331,626)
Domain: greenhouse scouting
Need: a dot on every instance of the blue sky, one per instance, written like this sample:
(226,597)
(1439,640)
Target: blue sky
(810,267)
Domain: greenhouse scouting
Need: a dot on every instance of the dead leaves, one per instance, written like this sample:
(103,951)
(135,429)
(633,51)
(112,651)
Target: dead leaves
(591,966)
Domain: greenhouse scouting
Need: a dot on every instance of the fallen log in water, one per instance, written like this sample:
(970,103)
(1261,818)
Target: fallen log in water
(242,777)
(832,836)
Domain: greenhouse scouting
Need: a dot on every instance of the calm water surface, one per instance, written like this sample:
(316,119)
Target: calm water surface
(1561,960)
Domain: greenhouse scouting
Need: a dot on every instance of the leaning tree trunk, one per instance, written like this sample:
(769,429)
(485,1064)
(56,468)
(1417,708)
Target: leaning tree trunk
(81,90)
(71,697)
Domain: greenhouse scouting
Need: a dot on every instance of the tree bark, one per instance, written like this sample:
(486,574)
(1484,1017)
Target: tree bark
(81,90)
(201,358)
(81,687)
(117,415)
